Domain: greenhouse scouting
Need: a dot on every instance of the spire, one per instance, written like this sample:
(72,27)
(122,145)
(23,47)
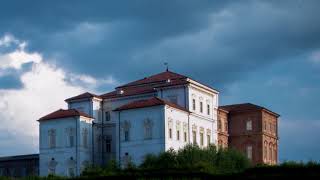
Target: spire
(167,65)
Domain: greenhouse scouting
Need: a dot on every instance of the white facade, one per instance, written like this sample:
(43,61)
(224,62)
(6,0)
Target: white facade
(65,145)
(128,135)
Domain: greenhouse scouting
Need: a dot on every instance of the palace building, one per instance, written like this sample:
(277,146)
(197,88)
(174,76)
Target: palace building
(148,116)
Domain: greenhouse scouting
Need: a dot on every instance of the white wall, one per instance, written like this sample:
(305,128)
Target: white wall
(137,146)
(200,95)
(63,152)
(172,117)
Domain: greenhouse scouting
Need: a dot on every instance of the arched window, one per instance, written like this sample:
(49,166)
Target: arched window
(275,153)
(270,152)
(265,151)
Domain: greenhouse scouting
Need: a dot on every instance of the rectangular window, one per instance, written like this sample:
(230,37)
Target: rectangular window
(194,137)
(107,116)
(85,140)
(108,146)
(249,125)
(178,135)
(219,124)
(126,135)
(71,140)
(52,138)
(194,104)
(185,136)
(201,139)
(71,172)
(265,125)
(208,140)
(52,171)
(201,107)
(249,152)
(170,133)
(208,109)
(226,127)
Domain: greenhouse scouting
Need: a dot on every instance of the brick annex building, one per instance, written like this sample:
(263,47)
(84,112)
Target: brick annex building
(250,129)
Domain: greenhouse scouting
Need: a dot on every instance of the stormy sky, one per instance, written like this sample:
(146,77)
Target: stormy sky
(264,52)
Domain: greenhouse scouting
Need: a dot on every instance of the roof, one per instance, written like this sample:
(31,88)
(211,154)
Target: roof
(129,92)
(61,113)
(20,157)
(154,101)
(157,78)
(245,107)
(85,95)
(148,85)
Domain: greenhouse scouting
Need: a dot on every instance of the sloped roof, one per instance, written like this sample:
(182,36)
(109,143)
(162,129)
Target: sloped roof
(148,85)
(154,101)
(83,96)
(129,92)
(157,78)
(61,113)
(245,107)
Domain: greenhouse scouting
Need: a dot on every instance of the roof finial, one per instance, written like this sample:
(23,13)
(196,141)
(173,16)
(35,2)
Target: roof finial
(167,65)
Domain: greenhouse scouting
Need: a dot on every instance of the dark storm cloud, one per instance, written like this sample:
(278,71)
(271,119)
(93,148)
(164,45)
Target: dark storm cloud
(136,37)
(246,49)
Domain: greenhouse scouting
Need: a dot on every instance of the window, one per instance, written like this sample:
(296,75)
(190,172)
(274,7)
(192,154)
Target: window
(71,172)
(226,127)
(52,138)
(126,130)
(208,109)
(208,140)
(265,125)
(170,133)
(249,125)
(126,135)
(249,152)
(85,137)
(265,151)
(201,107)
(270,127)
(71,140)
(270,152)
(201,139)
(107,116)
(274,153)
(178,135)
(185,136)
(51,170)
(148,129)
(219,124)
(194,137)
(108,146)
(194,104)
(52,166)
